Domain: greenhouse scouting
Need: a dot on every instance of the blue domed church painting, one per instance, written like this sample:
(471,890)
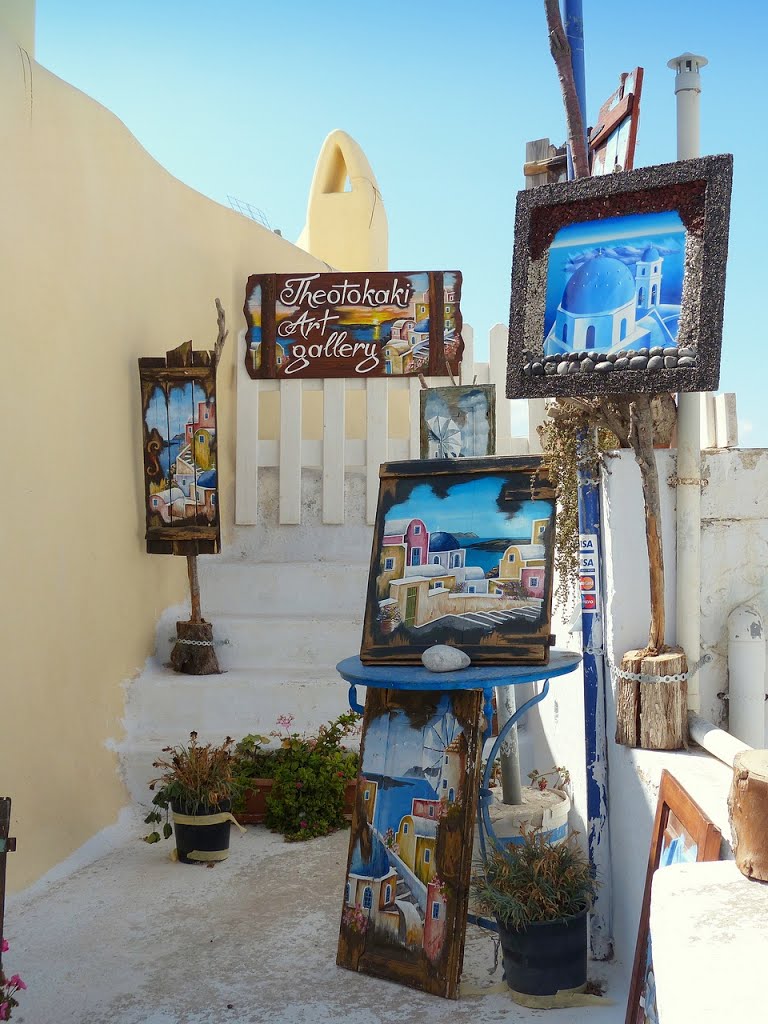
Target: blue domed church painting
(615,284)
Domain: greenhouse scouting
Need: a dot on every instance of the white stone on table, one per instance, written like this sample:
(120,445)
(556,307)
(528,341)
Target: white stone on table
(443,658)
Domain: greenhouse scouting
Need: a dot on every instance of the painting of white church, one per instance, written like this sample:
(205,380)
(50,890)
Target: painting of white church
(615,284)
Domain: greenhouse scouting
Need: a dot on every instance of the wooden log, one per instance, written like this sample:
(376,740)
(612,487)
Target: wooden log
(748,813)
(194,654)
(664,705)
(628,701)
(652,712)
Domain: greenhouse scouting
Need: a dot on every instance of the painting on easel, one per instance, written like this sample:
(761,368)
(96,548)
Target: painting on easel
(407,882)
(462,555)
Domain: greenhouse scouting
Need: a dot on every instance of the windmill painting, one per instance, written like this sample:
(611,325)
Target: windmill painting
(458,422)
(405,892)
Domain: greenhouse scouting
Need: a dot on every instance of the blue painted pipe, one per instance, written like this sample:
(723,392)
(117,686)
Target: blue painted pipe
(596,749)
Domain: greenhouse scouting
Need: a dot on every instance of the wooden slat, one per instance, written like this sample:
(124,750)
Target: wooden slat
(468,359)
(290,453)
(414,413)
(376,443)
(497,363)
(247,442)
(537,411)
(726,420)
(334,455)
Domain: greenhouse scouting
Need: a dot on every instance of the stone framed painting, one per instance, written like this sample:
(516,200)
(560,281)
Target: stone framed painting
(406,887)
(457,422)
(618,282)
(462,555)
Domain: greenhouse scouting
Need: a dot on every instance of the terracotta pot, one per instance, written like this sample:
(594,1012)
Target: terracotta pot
(256,801)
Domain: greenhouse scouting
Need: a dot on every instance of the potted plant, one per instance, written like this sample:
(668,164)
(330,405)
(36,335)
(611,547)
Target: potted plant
(303,788)
(196,786)
(540,894)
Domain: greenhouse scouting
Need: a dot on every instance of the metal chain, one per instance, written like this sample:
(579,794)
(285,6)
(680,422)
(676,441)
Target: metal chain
(197,643)
(644,677)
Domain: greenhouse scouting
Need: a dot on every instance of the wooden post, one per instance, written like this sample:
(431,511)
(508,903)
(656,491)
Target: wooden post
(7,845)
(748,813)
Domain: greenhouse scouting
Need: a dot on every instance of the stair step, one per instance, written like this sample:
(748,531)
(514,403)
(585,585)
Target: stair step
(282,588)
(272,641)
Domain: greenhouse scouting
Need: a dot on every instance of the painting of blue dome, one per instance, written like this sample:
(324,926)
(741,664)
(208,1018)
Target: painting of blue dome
(651,254)
(443,542)
(602,283)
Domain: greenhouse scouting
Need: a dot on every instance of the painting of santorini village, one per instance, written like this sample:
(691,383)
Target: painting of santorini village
(387,339)
(462,557)
(615,285)
(180,441)
(416,777)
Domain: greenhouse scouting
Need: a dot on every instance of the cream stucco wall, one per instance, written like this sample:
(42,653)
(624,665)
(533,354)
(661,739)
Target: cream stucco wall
(103,257)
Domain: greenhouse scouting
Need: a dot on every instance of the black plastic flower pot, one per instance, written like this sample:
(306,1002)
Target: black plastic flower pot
(547,956)
(199,840)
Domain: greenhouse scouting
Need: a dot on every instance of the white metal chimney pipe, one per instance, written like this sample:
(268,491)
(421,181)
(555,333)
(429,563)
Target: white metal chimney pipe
(746,675)
(688,579)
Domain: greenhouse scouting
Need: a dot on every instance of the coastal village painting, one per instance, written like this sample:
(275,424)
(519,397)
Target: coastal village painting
(615,285)
(462,555)
(353,325)
(458,422)
(180,461)
(405,893)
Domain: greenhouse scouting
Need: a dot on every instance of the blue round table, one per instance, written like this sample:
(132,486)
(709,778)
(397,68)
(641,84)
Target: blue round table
(479,677)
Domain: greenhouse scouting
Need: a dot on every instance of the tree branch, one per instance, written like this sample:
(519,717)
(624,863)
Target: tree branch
(222,333)
(561,54)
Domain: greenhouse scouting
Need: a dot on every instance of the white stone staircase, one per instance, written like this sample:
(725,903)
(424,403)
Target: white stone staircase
(280,629)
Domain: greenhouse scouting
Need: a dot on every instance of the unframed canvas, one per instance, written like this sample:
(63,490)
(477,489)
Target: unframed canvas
(408,872)
(462,555)
(458,422)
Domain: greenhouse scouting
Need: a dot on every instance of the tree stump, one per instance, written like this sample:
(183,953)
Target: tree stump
(652,712)
(193,653)
(748,813)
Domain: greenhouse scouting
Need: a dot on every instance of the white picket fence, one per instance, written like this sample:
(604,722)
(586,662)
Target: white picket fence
(336,454)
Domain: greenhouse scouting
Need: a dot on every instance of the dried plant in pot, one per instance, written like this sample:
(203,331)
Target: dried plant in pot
(540,894)
(195,790)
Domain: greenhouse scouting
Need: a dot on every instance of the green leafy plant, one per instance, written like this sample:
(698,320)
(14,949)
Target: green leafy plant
(310,775)
(533,881)
(193,777)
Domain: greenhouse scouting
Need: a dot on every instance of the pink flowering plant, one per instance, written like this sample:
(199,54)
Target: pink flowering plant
(560,777)
(310,775)
(9,987)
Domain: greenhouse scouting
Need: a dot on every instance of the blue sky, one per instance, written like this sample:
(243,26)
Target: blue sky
(236,99)
(470,508)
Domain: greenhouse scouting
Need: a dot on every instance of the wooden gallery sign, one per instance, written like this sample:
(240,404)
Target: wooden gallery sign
(353,325)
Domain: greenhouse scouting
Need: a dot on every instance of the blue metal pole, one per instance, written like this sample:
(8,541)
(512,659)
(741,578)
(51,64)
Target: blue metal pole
(590,573)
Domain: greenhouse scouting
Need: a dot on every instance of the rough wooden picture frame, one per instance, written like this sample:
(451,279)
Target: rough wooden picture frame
(181,494)
(407,883)
(681,833)
(618,282)
(462,554)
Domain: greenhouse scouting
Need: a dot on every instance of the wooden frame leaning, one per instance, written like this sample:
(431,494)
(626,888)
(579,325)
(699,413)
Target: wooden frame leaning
(681,833)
